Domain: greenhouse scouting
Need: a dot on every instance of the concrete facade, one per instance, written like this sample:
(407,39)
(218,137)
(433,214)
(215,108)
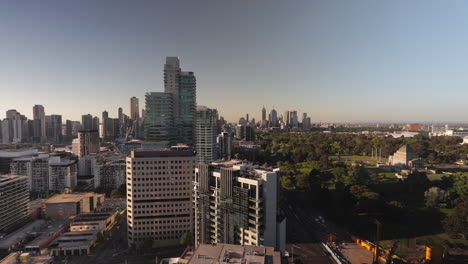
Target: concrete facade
(159,195)
(63,206)
(237,203)
(14,197)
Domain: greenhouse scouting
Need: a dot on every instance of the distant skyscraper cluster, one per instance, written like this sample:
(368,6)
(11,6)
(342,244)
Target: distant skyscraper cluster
(17,128)
(289,120)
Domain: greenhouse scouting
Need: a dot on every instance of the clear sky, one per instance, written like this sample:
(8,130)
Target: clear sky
(336,60)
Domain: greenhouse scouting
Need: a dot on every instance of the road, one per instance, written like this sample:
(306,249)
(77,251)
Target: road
(304,236)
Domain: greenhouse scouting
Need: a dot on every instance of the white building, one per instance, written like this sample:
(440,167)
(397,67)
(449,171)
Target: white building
(237,203)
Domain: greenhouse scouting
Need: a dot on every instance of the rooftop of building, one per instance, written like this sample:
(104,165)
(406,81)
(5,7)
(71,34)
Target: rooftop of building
(15,237)
(75,239)
(62,162)
(113,205)
(35,157)
(69,197)
(49,230)
(4,179)
(92,217)
(16,153)
(175,151)
(240,165)
(226,253)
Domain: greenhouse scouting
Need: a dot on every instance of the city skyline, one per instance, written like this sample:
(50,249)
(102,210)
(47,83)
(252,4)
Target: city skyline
(337,61)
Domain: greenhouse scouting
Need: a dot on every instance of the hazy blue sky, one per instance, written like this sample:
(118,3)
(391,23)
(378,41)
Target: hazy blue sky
(337,60)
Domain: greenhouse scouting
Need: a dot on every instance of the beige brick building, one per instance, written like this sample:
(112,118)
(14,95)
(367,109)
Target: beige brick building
(159,195)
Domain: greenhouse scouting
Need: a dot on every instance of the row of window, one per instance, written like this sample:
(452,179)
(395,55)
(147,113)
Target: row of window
(159,195)
(161,162)
(160,205)
(159,190)
(161,227)
(161,211)
(141,239)
(161,168)
(154,173)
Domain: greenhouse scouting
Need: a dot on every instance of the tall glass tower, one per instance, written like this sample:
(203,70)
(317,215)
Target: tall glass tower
(170,116)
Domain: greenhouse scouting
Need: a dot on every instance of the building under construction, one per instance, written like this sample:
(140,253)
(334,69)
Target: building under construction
(238,204)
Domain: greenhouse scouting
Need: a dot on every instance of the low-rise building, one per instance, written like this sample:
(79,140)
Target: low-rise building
(63,206)
(73,243)
(406,157)
(226,253)
(96,221)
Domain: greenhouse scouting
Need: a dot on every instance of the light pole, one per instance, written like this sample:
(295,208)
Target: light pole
(292,251)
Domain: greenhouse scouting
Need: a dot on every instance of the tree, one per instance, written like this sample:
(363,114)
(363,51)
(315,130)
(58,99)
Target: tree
(436,197)
(417,181)
(456,224)
(302,182)
(460,185)
(187,239)
(148,243)
(357,175)
(115,194)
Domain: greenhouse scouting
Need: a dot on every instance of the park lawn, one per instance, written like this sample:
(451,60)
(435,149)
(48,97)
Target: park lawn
(436,177)
(444,240)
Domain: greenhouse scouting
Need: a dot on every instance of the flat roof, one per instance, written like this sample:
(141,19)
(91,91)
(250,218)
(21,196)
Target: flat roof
(162,153)
(4,179)
(15,237)
(69,198)
(227,253)
(51,230)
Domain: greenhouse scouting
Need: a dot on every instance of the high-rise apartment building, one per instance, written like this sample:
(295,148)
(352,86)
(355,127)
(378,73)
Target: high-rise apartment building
(68,135)
(134,108)
(36,169)
(159,120)
(286,120)
(39,114)
(249,133)
(7,131)
(240,130)
(54,129)
(159,195)
(293,119)
(63,174)
(86,143)
(170,116)
(14,205)
(87,122)
(224,142)
(206,132)
(238,204)
(109,175)
(273,118)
